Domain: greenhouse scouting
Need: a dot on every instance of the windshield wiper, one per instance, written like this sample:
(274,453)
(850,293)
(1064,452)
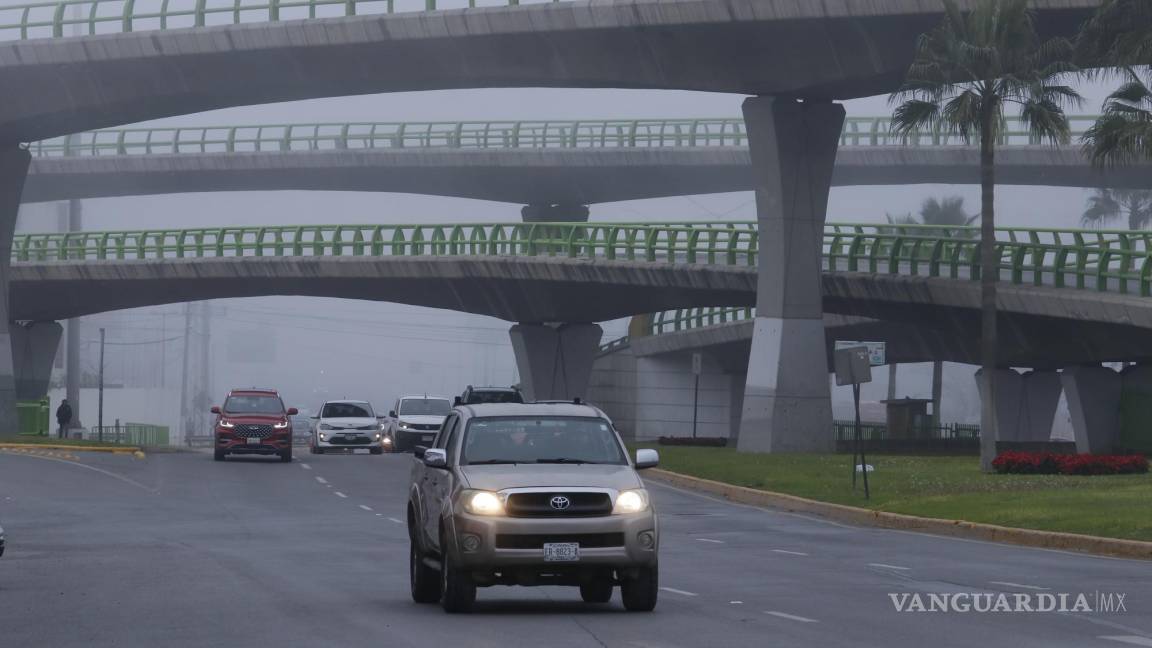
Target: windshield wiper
(565,460)
(493,461)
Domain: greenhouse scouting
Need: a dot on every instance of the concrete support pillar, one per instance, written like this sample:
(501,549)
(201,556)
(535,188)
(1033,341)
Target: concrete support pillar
(1093,396)
(555,213)
(13,171)
(787,403)
(1025,403)
(555,361)
(34,346)
(73,372)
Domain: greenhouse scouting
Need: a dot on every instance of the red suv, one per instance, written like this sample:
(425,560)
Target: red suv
(253,421)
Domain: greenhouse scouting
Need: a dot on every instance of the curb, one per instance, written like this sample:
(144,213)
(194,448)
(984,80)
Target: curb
(956,528)
(132,450)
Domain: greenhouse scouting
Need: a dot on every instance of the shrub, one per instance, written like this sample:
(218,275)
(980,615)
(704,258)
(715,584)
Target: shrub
(1048,463)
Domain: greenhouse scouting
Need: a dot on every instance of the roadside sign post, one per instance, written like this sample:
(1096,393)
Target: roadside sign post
(853,366)
(697,369)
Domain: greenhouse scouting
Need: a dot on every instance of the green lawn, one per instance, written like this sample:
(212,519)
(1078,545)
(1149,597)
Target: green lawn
(946,487)
(50,440)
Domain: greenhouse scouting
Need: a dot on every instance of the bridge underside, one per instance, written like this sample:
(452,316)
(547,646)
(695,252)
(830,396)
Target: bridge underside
(810,49)
(543,176)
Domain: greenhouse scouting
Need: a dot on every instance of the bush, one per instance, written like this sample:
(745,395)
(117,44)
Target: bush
(1048,463)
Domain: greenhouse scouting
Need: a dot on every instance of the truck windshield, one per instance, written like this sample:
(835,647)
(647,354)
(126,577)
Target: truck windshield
(347,410)
(254,404)
(541,440)
(425,407)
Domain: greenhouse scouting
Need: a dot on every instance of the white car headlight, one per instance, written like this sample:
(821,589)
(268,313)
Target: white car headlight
(323,437)
(482,502)
(631,501)
(377,436)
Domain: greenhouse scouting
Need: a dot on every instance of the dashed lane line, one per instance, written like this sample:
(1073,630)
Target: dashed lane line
(395,520)
(321,479)
(886,566)
(679,591)
(1131,640)
(710,540)
(1019,585)
(790,553)
(305,466)
(790,617)
(366,508)
(339,494)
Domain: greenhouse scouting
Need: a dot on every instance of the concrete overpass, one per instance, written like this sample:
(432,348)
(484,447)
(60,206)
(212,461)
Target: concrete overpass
(543,163)
(795,56)
(136,60)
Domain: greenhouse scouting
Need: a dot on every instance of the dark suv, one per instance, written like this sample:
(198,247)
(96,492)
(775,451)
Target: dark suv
(253,421)
(480,395)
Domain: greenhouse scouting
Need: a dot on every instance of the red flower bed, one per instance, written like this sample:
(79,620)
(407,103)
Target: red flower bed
(1049,463)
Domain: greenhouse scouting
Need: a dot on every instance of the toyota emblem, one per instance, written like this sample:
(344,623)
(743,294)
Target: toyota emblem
(560,502)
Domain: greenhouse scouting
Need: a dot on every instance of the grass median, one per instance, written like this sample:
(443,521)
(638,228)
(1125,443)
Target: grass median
(1113,506)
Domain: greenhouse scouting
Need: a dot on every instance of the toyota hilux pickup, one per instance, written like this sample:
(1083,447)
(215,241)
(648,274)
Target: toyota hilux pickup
(531,494)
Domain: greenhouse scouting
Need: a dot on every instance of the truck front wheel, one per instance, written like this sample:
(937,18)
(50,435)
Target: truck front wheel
(639,592)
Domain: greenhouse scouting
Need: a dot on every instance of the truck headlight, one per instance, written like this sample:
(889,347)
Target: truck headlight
(631,501)
(480,502)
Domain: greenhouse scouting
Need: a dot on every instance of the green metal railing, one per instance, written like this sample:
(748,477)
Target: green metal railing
(634,133)
(133,434)
(1106,261)
(91,17)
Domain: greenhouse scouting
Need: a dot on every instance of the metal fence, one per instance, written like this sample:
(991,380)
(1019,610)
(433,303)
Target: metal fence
(528,134)
(134,434)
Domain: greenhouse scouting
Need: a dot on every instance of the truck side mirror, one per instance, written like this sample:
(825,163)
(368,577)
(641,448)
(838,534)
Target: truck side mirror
(392,413)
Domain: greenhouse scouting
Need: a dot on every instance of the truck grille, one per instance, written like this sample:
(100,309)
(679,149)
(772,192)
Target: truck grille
(537,540)
(253,431)
(540,505)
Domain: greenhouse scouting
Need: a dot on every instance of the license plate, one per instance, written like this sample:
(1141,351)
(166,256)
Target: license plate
(254,440)
(360,451)
(561,551)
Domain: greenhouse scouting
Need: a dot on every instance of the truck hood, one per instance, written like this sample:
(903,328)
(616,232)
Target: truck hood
(421,419)
(501,476)
(350,423)
(254,419)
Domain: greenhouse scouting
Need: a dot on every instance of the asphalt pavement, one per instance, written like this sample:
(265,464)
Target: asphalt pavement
(176,550)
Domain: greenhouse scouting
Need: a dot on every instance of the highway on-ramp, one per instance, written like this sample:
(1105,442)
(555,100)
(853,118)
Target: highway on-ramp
(176,550)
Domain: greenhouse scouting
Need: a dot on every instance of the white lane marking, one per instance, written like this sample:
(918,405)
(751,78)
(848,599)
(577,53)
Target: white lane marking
(379,515)
(1007,584)
(681,592)
(1131,640)
(339,494)
(321,479)
(366,508)
(735,602)
(884,566)
(791,617)
(790,553)
(709,540)
(396,521)
(305,466)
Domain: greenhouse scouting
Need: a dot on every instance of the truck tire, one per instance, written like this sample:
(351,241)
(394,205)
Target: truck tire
(639,592)
(459,590)
(597,591)
(218,455)
(424,581)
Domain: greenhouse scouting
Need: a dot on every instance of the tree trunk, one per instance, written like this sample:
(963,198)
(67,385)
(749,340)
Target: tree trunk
(989,275)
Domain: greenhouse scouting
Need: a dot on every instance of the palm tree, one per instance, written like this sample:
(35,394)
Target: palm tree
(1107,205)
(965,72)
(1118,39)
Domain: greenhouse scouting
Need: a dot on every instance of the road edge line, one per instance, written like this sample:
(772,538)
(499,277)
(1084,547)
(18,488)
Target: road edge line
(133,450)
(939,526)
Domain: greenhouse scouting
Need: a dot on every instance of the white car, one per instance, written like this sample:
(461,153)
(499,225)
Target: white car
(415,420)
(347,425)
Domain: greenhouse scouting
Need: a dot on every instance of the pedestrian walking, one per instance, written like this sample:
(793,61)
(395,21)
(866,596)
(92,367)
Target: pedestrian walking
(64,417)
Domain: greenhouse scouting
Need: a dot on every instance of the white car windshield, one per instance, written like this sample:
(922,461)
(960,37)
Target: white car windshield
(541,440)
(347,410)
(425,407)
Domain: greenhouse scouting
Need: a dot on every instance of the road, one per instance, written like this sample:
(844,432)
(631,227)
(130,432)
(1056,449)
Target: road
(176,550)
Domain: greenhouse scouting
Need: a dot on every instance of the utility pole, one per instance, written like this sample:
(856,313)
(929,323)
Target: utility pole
(73,372)
(204,382)
(100,406)
(184,369)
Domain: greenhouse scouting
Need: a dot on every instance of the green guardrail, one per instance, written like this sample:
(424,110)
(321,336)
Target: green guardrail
(592,133)
(92,17)
(34,417)
(133,434)
(1107,261)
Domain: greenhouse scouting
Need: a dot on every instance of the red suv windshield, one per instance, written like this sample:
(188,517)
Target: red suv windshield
(254,404)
